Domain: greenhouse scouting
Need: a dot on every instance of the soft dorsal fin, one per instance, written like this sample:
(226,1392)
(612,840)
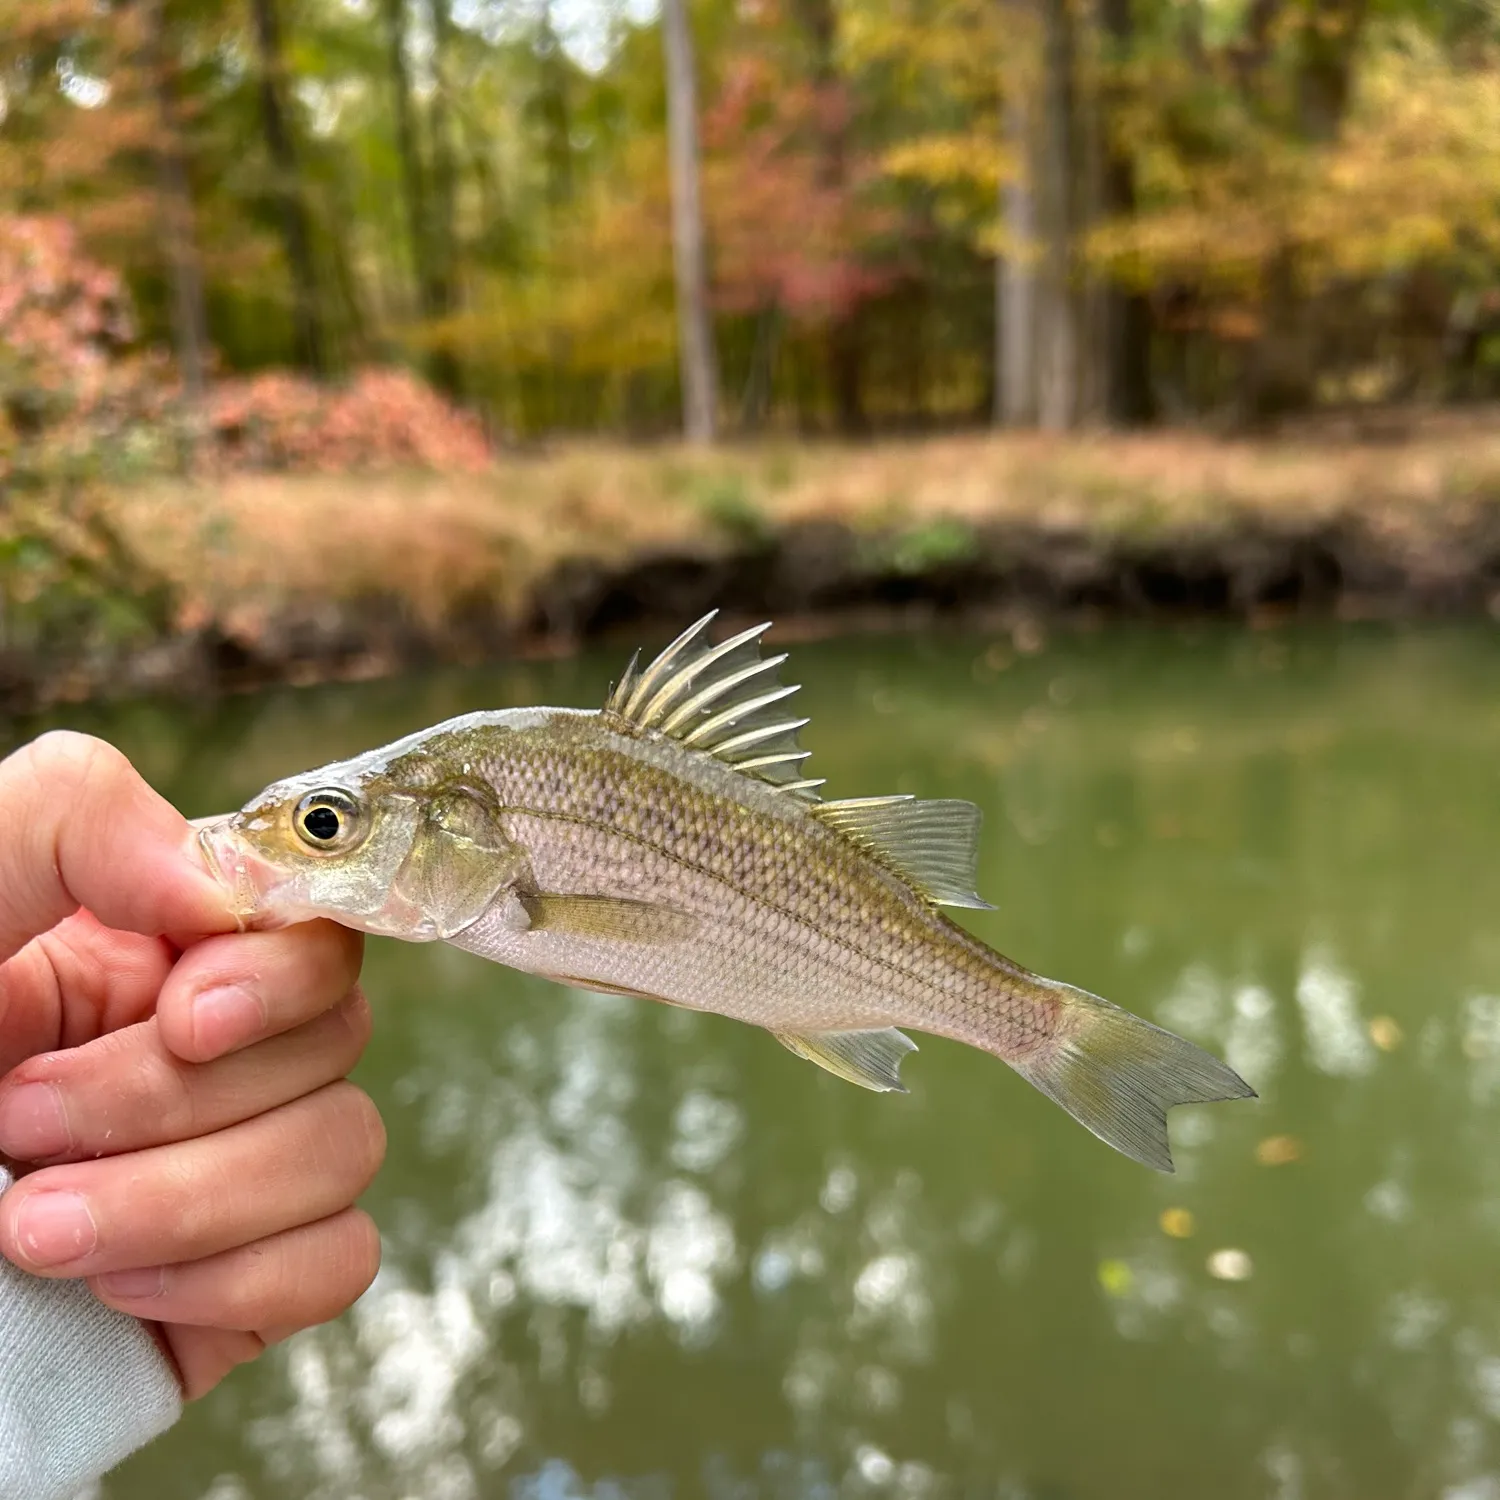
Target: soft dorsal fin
(933,844)
(723,700)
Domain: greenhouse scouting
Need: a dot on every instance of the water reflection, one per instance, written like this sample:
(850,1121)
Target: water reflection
(635,1252)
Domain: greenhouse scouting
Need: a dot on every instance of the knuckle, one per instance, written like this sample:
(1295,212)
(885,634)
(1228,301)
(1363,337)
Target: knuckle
(360,1130)
(359,1259)
(359,1024)
(149,1089)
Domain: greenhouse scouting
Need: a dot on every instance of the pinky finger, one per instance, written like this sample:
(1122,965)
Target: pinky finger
(272,1287)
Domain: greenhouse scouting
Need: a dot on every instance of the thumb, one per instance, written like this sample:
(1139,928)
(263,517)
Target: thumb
(79,827)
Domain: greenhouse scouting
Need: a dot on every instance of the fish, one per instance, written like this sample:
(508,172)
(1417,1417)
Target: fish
(669,846)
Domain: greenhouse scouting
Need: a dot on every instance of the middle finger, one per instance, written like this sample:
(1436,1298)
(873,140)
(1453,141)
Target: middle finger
(128,1090)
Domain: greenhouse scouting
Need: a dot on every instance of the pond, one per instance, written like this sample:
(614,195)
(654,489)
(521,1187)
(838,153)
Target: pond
(631,1251)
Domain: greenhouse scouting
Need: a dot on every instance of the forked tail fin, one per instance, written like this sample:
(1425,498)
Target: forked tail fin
(1119,1075)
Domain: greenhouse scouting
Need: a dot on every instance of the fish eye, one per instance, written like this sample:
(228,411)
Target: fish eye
(329,820)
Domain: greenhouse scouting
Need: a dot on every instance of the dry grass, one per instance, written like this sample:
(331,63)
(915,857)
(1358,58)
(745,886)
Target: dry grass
(244,549)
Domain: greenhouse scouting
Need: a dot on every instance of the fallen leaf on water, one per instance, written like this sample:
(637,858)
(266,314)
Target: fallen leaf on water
(1177,1222)
(1278,1150)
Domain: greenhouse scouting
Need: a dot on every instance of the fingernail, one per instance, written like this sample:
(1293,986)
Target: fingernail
(33,1122)
(55,1227)
(149,1281)
(226,1018)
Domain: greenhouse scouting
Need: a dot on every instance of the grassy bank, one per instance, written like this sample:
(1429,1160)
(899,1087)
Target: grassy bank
(268,576)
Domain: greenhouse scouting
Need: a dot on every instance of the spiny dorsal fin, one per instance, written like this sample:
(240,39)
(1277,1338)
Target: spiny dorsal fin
(722,700)
(934,844)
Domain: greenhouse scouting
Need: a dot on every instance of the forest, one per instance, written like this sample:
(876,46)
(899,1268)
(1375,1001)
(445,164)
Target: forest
(741,216)
(791,305)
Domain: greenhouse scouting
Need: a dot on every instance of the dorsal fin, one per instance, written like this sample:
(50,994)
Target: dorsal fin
(933,844)
(722,700)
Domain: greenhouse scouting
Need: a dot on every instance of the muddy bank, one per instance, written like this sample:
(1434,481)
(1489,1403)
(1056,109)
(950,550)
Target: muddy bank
(816,578)
(272,578)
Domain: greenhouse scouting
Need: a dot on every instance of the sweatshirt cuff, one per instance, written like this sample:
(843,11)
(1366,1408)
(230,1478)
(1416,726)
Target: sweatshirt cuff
(81,1385)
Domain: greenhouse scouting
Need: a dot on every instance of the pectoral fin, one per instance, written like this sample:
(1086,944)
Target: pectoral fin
(872,1059)
(610,917)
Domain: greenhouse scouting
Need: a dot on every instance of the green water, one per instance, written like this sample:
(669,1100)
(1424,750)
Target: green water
(635,1252)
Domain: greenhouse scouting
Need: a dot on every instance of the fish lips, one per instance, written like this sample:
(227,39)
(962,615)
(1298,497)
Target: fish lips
(250,881)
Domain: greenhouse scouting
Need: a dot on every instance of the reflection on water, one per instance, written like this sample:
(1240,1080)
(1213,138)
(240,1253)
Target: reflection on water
(633,1252)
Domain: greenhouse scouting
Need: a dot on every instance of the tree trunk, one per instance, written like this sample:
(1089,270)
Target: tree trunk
(1128,395)
(423,214)
(179,222)
(1281,370)
(845,348)
(312,342)
(695,329)
(1329,37)
(1015,272)
(553,106)
(1057,396)
(446,370)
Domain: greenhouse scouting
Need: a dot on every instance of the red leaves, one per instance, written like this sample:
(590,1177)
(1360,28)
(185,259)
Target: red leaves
(68,378)
(63,320)
(792,218)
(383,419)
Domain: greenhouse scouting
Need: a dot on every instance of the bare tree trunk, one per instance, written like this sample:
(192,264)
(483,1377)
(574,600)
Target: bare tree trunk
(1128,399)
(413,174)
(447,371)
(312,342)
(845,347)
(695,329)
(1057,397)
(1016,275)
(425,218)
(179,223)
(1016,267)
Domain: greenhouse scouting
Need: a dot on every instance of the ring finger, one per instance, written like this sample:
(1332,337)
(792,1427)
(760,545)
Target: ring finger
(293,1165)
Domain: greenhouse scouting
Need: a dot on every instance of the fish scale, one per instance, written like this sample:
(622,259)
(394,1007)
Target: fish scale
(669,846)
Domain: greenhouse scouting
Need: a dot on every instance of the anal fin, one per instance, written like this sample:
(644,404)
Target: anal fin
(872,1059)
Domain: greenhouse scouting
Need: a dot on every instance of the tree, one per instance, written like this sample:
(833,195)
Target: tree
(1058,362)
(1128,396)
(1015,273)
(695,331)
(179,220)
(286,191)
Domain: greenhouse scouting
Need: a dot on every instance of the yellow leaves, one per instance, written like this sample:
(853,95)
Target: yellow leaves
(972,159)
(600,299)
(1415,174)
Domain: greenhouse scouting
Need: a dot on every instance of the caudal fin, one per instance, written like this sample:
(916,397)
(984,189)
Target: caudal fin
(1119,1075)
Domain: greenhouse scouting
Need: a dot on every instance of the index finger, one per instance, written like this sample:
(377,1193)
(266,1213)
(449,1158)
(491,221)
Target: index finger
(229,991)
(82,829)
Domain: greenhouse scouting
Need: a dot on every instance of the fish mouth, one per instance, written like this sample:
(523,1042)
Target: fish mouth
(248,880)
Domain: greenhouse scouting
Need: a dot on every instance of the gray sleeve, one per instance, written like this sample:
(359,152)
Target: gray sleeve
(81,1386)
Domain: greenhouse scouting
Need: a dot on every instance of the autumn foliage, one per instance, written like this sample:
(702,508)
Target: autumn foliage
(74,385)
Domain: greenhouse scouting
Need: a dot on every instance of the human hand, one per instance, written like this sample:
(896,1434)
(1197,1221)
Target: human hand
(181,1082)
